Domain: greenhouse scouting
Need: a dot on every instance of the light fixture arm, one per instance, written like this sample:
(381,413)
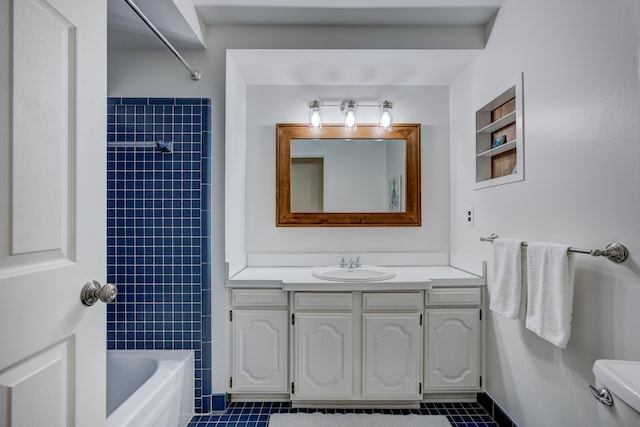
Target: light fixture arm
(348,104)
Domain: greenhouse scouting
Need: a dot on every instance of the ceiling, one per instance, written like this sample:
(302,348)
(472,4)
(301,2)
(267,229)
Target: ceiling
(401,67)
(177,20)
(182,21)
(347,12)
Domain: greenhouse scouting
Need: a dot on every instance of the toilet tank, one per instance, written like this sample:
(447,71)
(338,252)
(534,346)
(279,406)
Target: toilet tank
(621,379)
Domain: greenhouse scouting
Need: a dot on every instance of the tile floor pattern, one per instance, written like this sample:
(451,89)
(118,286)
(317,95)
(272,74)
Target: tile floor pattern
(256,414)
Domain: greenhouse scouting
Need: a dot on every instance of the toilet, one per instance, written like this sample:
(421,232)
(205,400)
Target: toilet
(617,392)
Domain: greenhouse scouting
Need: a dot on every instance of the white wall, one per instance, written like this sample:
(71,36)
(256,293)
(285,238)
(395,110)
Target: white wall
(268,105)
(581,67)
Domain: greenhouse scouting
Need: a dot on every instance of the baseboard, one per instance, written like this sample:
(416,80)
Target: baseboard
(260,397)
(449,397)
(356,404)
(495,411)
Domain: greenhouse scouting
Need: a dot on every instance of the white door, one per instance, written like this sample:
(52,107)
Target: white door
(392,355)
(323,356)
(453,348)
(52,211)
(260,347)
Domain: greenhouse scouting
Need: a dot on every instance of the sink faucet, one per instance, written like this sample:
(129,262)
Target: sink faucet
(351,263)
(354,263)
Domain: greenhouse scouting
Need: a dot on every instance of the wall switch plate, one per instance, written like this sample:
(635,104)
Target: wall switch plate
(469,217)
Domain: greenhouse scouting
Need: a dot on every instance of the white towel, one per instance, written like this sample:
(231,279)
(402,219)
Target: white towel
(506,291)
(550,276)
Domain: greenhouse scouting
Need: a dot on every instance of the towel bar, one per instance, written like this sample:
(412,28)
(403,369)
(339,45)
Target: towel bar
(615,252)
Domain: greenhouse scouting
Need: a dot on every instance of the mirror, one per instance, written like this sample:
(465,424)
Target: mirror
(333,177)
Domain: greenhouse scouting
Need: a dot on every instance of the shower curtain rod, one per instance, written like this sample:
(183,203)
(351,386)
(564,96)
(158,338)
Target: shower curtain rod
(195,74)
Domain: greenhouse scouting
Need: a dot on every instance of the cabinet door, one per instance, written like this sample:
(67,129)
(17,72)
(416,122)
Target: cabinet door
(453,348)
(392,349)
(323,356)
(259,350)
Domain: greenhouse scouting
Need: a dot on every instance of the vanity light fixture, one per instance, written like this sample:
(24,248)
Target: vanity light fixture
(349,109)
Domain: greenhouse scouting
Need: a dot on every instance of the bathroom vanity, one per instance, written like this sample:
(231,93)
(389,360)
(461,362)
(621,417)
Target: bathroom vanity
(292,336)
(415,336)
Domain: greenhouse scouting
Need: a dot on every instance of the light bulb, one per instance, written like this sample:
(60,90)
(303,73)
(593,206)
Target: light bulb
(385,120)
(315,119)
(350,120)
(386,116)
(349,107)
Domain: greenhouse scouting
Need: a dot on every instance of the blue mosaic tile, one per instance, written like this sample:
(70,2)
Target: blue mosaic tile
(205,118)
(219,402)
(154,230)
(154,101)
(134,100)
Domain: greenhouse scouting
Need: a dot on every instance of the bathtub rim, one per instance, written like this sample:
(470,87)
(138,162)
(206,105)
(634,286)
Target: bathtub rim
(168,361)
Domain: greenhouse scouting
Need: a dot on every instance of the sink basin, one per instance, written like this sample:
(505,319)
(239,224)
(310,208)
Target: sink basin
(365,273)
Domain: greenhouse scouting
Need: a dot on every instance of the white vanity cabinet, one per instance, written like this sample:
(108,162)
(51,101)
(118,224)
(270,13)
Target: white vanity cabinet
(397,341)
(452,331)
(259,341)
(359,346)
(323,346)
(392,345)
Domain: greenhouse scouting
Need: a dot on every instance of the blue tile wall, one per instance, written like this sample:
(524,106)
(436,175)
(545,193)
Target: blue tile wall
(158,229)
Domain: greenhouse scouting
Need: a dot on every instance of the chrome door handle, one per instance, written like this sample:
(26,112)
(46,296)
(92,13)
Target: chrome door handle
(92,292)
(602,395)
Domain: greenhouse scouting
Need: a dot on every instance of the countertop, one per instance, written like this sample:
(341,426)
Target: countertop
(300,278)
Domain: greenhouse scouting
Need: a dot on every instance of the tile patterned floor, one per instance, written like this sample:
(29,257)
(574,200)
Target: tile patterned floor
(256,414)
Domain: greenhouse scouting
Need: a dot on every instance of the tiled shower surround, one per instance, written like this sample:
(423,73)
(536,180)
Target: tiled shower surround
(158,229)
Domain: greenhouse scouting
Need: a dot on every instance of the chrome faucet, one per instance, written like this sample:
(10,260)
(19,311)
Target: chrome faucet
(354,263)
(343,263)
(351,263)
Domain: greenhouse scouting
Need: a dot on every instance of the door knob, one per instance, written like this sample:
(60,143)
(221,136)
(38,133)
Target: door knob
(92,292)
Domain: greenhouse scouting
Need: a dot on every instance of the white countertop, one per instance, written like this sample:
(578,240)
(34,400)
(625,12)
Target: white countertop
(300,278)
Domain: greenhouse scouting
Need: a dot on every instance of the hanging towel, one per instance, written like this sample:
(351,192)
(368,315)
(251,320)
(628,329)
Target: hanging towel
(506,290)
(550,276)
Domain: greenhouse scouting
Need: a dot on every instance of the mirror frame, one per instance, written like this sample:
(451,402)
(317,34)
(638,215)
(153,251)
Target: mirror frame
(412,217)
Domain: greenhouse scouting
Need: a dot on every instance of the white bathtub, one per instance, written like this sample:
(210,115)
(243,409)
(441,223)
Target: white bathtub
(149,388)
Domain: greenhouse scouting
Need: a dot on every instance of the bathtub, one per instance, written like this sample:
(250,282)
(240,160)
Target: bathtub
(149,388)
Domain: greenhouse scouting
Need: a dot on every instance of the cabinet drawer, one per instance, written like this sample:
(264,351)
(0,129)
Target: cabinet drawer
(322,301)
(258,298)
(453,296)
(392,301)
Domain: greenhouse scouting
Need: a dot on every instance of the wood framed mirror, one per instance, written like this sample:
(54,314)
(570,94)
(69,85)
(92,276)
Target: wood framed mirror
(331,177)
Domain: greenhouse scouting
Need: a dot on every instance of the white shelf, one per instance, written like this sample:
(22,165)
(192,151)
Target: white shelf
(492,182)
(501,149)
(486,130)
(499,124)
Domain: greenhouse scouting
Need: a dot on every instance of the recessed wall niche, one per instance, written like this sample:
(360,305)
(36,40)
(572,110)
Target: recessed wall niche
(499,139)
